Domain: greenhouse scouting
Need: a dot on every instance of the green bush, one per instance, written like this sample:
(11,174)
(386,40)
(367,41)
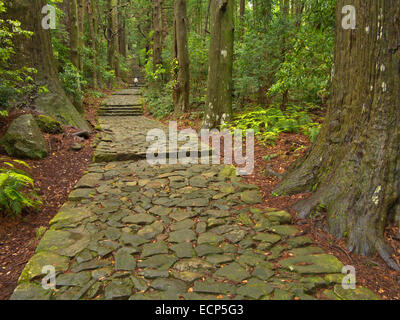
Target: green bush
(269,123)
(16,189)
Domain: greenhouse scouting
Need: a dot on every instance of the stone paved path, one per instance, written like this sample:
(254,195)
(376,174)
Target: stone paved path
(134,231)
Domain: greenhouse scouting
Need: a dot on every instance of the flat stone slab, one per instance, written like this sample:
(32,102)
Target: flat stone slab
(122,100)
(128,92)
(125,138)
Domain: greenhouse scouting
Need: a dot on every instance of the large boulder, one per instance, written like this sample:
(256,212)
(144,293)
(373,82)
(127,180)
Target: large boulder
(24,139)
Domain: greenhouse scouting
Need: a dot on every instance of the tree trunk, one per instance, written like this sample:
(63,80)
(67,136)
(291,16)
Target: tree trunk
(74,33)
(164,22)
(219,87)
(354,165)
(92,18)
(81,20)
(122,33)
(36,52)
(181,54)
(157,34)
(242,9)
(207,17)
(114,28)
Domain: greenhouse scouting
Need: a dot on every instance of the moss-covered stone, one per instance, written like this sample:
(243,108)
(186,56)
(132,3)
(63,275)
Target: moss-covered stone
(33,268)
(319,263)
(23,139)
(30,291)
(49,125)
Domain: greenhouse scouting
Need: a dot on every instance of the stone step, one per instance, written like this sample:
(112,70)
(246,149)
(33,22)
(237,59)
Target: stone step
(120,108)
(127,114)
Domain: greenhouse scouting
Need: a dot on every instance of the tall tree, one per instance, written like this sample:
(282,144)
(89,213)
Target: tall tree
(92,19)
(354,165)
(157,38)
(81,24)
(36,52)
(181,54)
(112,37)
(74,33)
(219,84)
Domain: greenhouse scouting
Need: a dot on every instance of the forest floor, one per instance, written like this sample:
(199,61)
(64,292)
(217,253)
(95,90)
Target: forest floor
(18,237)
(55,176)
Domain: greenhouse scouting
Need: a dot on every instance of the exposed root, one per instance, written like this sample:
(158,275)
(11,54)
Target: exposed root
(385,253)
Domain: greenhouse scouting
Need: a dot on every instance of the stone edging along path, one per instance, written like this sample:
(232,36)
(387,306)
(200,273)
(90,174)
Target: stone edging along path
(134,231)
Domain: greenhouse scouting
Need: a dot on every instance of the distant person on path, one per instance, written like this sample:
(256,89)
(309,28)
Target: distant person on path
(136,82)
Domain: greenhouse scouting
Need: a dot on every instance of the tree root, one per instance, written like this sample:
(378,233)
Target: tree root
(385,253)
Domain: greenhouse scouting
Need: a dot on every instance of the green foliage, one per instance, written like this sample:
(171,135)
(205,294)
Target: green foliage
(72,81)
(280,55)
(269,123)
(16,189)
(13,82)
(159,103)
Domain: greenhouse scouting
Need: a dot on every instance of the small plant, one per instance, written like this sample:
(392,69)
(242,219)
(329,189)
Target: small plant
(17,189)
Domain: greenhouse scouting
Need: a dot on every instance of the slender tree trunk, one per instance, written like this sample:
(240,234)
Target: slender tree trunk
(81,20)
(164,21)
(219,87)
(181,54)
(74,33)
(242,9)
(36,52)
(207,17)
(92,18)
(122,33)
(114,28)
(157,47)
(354,165)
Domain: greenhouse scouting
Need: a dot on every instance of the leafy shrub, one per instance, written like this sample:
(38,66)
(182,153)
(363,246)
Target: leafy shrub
(16,189)
(72,81)
(269,123)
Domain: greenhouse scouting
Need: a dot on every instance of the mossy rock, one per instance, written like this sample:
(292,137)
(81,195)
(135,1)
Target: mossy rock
(23,139)
(49,125)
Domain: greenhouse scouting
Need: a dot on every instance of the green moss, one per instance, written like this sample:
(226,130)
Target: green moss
(49,125)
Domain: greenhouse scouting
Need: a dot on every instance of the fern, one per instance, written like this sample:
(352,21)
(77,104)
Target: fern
(17,189)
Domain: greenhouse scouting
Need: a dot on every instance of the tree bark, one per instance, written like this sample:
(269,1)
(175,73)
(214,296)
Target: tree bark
(36,52)
(81,20)
(354,165)
(219,87)
(74,34)
(181,54)
(157,38)
(92,18)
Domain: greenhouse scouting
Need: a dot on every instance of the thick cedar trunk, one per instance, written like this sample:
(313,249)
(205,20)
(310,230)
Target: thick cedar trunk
(219,86)
(157,38)
(354,166)
(181,54)
(36,52)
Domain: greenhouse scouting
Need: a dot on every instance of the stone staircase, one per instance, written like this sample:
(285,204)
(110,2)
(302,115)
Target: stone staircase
(125,102)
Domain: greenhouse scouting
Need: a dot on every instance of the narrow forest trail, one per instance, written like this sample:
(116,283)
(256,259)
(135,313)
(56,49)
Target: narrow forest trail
(134,231)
